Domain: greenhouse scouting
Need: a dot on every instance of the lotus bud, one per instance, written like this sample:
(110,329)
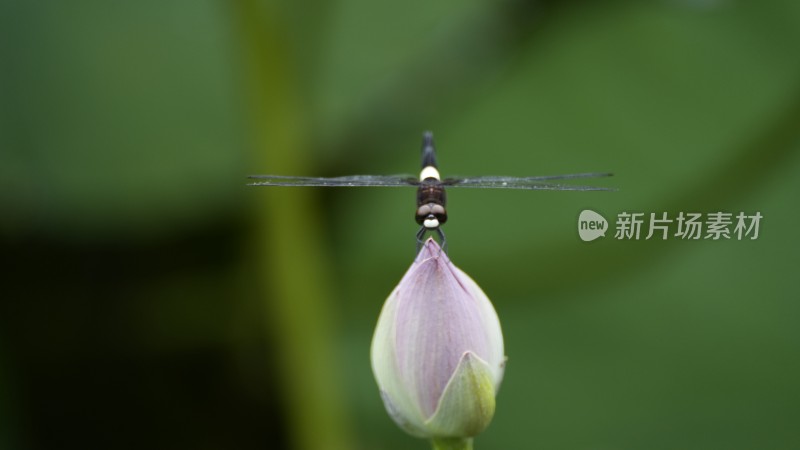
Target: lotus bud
(437,352)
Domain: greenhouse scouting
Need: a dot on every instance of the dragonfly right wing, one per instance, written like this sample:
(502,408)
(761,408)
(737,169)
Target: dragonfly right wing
(348,181)
(531,183)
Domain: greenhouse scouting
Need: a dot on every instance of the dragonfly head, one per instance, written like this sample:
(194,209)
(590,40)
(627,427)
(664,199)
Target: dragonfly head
(431,215)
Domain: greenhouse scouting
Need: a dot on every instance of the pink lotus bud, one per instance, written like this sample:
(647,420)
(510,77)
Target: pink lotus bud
(437,353)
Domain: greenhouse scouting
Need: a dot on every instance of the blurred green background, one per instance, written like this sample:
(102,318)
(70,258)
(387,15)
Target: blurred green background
(151,300)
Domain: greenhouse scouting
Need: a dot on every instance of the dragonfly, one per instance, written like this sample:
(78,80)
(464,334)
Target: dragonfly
(431,213)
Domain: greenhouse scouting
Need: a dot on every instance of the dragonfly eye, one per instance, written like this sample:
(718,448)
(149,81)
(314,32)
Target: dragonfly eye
(439,212)
(422,213)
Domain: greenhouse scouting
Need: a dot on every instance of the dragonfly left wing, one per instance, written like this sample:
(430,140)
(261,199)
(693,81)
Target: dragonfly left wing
(348,181)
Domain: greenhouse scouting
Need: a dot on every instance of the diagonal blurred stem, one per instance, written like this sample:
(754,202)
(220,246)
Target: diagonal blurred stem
(289,256)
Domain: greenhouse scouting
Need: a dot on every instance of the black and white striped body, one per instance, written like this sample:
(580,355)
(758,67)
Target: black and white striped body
(431,211)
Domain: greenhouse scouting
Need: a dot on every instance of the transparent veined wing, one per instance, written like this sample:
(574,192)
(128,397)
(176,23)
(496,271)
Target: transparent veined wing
(531,183)
(347,181)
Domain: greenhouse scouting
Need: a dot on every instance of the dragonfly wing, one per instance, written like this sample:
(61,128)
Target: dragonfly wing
(348,181)
(530,183)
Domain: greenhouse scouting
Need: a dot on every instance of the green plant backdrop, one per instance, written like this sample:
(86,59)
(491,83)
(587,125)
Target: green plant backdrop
(152,300)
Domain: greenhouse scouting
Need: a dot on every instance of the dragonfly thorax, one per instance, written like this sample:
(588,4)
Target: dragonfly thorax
(431,201)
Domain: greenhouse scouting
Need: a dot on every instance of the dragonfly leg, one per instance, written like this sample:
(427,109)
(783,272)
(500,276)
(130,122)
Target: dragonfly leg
(442,238)
(420,235)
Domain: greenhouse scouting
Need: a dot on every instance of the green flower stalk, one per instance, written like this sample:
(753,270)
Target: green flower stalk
(437,353)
